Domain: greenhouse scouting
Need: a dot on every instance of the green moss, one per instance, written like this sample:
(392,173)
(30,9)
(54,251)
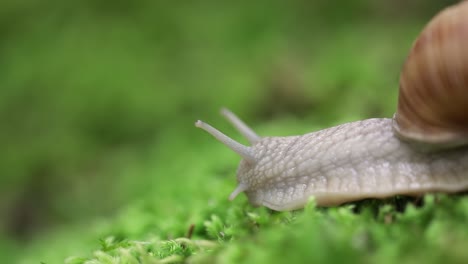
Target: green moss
(433,232)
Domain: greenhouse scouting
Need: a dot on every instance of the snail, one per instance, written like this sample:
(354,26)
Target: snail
(422,149)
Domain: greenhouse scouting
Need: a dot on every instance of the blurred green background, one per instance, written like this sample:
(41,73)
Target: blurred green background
(98,98)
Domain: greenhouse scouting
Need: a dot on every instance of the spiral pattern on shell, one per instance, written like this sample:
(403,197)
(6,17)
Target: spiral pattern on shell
(433,98)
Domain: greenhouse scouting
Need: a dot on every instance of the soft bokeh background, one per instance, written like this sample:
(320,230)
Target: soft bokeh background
(98,97)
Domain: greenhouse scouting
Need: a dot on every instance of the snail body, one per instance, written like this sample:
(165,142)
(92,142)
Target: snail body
(422,149)
(353,161)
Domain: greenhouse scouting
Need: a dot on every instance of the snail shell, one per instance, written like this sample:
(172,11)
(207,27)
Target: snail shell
(433,96)
(378,157)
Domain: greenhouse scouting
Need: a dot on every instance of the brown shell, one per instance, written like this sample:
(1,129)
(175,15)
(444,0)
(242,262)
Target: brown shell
(433,100)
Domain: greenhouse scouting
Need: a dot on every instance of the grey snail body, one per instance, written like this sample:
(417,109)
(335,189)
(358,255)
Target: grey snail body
(422,149)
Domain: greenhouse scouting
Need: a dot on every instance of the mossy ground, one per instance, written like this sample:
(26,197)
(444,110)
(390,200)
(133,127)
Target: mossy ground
(399,230)
(101,163)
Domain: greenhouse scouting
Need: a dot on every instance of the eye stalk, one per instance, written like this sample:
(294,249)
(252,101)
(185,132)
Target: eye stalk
(244,151)
(245,130)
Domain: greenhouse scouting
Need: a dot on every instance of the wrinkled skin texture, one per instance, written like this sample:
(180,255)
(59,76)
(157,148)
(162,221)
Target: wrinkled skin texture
(353,161)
